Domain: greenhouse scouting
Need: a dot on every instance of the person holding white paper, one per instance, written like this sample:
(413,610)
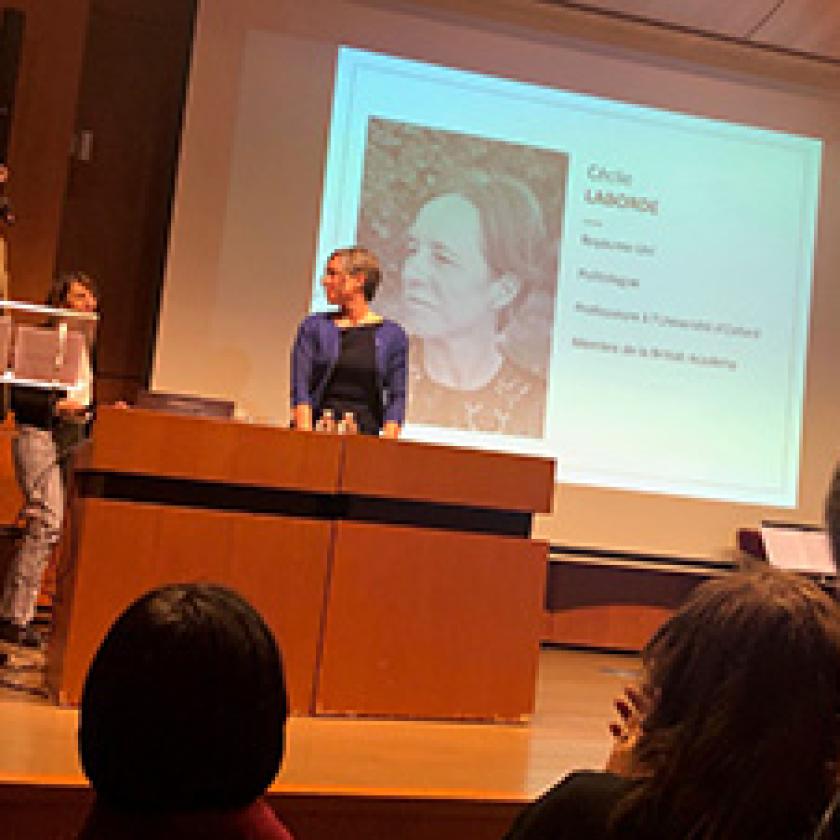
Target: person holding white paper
(48,428)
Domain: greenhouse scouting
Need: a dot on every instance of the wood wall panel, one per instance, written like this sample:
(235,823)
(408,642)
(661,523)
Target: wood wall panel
(735,19)
(116,213)
(86,65)
(812,26)
(614,605)
(605,28)
(612,627)
(42,131)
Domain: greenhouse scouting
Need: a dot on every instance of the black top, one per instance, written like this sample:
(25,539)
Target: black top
(581,808)
(578,808)
(353,386)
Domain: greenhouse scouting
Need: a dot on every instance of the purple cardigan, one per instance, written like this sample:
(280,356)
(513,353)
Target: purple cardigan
(315,353)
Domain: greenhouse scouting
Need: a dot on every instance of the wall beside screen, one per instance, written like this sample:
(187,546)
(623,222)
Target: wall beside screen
(665,307)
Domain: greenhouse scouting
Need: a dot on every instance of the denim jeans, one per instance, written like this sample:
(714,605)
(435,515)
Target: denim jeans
(39,475)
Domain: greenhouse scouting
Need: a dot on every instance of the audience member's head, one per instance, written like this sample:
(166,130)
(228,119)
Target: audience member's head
(184,705)
(742,735)
(832,514)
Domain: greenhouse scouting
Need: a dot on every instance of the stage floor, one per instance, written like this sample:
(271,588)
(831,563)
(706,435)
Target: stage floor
(340,756)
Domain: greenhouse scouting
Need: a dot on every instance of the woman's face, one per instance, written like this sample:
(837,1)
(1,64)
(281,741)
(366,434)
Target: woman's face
(80,298)
(340,286)
(447,284)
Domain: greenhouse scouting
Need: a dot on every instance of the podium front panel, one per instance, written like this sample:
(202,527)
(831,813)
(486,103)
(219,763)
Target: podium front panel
(431,624)
(123,550)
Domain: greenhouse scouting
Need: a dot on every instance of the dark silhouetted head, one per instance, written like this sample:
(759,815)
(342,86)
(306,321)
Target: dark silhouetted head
(184,705)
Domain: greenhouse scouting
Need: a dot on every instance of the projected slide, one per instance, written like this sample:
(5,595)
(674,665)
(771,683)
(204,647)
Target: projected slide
(622,288)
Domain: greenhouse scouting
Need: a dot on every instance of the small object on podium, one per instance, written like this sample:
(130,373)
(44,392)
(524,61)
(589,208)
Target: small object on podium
(326,422)
(347,424)
(187,404)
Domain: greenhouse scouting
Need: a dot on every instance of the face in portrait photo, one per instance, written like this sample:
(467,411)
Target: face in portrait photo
(469,232)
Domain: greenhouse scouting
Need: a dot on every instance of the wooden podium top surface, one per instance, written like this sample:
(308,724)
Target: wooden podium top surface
(447,474)
(155,443)
(150,443)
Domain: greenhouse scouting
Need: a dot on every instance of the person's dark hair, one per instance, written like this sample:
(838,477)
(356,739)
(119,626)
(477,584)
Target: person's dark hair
(832,514)
(742,737)
(358,259)
(57,294)
(184,705)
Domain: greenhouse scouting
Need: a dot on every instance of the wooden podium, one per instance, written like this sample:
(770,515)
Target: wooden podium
(398,577)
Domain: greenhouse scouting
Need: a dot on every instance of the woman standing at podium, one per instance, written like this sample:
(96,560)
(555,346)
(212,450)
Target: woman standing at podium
(353,361)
